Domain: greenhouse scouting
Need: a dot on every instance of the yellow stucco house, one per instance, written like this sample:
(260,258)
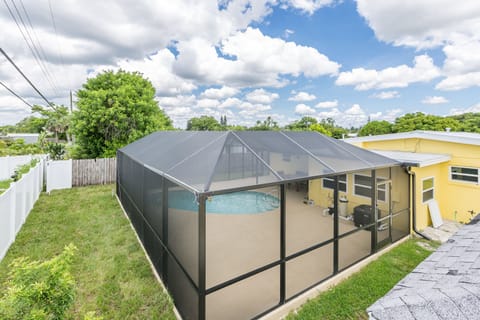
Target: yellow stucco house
(444,166)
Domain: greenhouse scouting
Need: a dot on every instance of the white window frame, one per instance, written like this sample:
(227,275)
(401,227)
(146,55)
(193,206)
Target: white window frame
(369,187)
(464,174)
(429,189)
(340,182)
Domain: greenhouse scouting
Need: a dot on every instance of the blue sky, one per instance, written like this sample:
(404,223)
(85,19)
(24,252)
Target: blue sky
(249,59)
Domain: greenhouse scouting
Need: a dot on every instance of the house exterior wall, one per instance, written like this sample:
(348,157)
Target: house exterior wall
(323,197)
(455,198)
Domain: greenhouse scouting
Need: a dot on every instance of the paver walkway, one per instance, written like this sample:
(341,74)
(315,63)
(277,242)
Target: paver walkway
(444,286)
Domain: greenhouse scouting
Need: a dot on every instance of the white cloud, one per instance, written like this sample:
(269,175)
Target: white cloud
(454,26)
(272,55)
(261,96)
(303,109)
(354,116)
(458,82)
(474,109)
(230,102)
(207,103)
(287,33)
(302,96)
(222,93)
(177,101)
(327,104)
(389,115)
(307,6)
(434,100)
(411,23)
(15,112)
(158,68)
(254,108)
(249,59)
(394,77)
(462,65)
(386,95)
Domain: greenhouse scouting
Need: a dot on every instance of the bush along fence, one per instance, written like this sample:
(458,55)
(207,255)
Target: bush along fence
(16,202)
(8,164)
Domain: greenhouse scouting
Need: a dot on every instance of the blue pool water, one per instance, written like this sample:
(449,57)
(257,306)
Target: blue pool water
(244,202)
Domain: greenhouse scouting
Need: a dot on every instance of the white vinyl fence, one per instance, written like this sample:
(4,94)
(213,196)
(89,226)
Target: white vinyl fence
(59,175)
(8,165)
(16,203)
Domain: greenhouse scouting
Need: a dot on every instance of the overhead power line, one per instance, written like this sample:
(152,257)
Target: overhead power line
(28,80)
(15,94)
(31,44)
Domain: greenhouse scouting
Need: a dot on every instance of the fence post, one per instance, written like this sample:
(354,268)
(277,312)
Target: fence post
(13,210)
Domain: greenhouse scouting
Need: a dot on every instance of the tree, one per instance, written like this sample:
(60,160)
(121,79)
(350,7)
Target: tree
(303,124)
(337,132)
(57,120)
(203,123)
(375,128)
(421,121)
(223,121)
(470,122)
(267,124)
(320,129)
(31,124)
(115,109)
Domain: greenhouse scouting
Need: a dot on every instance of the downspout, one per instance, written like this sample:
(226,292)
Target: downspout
(414,202)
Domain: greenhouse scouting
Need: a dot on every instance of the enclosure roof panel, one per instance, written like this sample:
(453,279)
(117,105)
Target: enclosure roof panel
(214,160)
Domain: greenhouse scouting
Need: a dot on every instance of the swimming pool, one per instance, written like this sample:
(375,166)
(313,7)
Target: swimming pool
(244,202)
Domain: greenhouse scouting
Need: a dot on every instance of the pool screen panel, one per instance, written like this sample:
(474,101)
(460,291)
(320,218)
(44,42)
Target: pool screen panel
(308,269)
(243,232)
(353,248)
(183,292)
(183,227)
(245,299)
(153,201)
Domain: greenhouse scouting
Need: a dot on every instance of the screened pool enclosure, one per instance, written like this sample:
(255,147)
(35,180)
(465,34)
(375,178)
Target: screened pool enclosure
(238,223)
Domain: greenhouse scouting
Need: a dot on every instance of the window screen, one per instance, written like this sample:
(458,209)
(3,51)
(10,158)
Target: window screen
(328,183)
(427,189)
(362,186)
(464,174)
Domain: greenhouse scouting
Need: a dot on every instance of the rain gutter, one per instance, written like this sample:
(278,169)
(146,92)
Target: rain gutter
(414,202)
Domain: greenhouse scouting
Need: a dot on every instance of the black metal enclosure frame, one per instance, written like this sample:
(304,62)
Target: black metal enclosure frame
(144,189)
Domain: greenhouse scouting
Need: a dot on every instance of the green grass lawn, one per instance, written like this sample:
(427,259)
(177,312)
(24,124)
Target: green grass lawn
(112,274)
(350,298)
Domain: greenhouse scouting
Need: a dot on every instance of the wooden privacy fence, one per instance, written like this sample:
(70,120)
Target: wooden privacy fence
(94,171)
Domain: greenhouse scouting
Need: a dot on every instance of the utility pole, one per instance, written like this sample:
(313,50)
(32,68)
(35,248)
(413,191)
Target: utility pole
(71,111)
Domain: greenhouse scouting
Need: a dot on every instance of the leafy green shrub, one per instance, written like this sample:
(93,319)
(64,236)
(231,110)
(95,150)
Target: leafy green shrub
(18,147)
(39,290)
(21,170)
(56,150)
